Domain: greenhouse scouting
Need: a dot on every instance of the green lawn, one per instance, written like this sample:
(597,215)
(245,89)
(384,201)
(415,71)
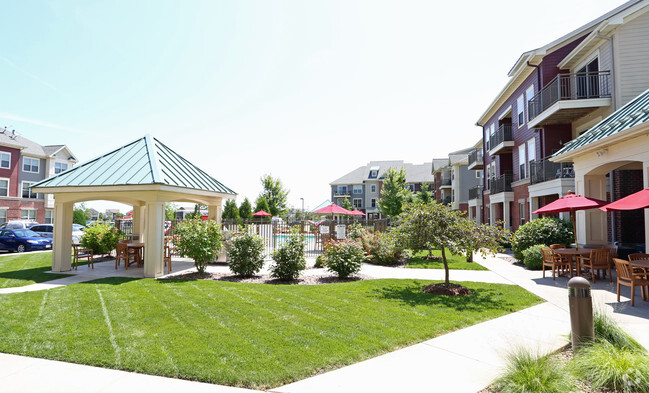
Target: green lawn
(251,335)
(454,262)
(25,269)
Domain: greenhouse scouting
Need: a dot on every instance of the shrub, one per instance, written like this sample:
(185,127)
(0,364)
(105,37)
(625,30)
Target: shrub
(605,365)
(101,238)
(246,254)
(289,258)
(528,372)
(344,257)
(356,230)
(319,261)
(199,240)
(533,257)
(544,230)
(380,248)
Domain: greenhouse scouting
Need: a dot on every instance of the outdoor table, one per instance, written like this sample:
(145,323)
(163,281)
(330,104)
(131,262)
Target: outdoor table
(139,251)
(643,263)
(574,255)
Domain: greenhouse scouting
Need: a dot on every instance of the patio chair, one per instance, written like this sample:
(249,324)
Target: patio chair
(599,259)
(167,257)
(636,256)
(82,253)
(555,262)
(629,276)
(555,246)
(122,254)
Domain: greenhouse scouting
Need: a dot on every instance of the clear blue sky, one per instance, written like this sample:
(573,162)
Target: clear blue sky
(306,91)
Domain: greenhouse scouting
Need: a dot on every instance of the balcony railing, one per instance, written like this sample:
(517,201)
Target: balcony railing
(475,192)
(577,86)
(503,134)
(445,181)
(475,157)
(545,170)
(501,184)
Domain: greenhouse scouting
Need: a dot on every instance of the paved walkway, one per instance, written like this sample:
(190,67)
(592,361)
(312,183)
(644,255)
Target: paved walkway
(463,361)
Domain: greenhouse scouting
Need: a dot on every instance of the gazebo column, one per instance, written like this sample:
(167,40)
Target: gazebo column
(154,239)
(138,221)
(214,212)
(62,244)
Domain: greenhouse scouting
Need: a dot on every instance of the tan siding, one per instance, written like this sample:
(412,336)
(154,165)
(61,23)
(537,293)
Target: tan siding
(633,58)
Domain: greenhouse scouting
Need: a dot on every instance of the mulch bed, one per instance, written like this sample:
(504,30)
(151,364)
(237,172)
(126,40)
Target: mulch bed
(267,279)
(447,289)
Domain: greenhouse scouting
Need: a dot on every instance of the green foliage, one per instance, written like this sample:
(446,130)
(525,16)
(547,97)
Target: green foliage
(26,269)
(533,257)
(230,210)
(319,261)
(606,329)
(262,204)
(546,230)
(605,365)
(527,372)
(170,211)
(289,258)
(196,215)
(425,195)
(275,195)
(393,192)
(356,230)
(79,217)
(422,260)
(101,238)
(344,257)
(246,254)
(423,226)
(380,248)
(199,240)
(245,210)
(346,204)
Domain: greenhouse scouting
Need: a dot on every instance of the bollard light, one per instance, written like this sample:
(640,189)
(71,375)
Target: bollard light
(581,311)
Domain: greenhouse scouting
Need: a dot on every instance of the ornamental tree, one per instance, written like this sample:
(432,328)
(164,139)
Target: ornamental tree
(394,192)
(245,210)
(275,195)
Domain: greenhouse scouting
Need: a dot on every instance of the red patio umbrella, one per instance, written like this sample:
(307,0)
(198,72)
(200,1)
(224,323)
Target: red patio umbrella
(571,203)
(262,214)
(356,213)
(332,209)
(638,200)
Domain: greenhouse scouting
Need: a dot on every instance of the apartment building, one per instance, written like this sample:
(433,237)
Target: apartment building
(554,94)
(454,180)
(22,164)
(362,186)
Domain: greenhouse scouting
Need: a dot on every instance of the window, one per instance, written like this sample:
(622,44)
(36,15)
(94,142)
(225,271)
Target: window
(3,216)
(478,174)
(521,161)
(30,164)
(49,216)
(488,175)
(5,161)
(27,191)
(358,189)
(358,203)
(342,190)
(410,187)
(521,112)
(374,173)
(486,138)
(531,153)
(521,208)
(4,187)
(28,214)
(529,94)
(373,202)
(373,188)
(60,167)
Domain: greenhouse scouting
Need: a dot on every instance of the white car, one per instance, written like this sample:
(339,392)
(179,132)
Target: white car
(19,224)
(47,230)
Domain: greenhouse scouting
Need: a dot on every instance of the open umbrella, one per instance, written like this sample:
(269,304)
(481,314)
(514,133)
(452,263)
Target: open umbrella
(571,203)
(261,214)
(356,213)
(332,209)
(638,200)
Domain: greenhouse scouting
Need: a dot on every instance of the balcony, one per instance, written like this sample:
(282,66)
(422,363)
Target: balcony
(446,200)
(342,193)
(545,170)
(475,160)
(501,184)
(445,182)
(568,97)
(475,192)
(502,141)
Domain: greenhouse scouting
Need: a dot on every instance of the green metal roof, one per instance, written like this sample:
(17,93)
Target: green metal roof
(144,161)
(633,113)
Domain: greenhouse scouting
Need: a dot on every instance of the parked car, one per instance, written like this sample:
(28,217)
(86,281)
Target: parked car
(18,224)
(78,227)
(47,230)
(21,240)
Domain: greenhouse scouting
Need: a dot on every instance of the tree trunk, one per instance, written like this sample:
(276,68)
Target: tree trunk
(446,271)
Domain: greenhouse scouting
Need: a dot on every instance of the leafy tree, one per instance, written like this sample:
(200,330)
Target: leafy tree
(394,192)
(199,240)
(196,214)
(347,204)
(230,210)
(170,211)
(262,204)
(436,226)
(275,195)
(79,216)
(100,216)
(101,238)
(245,210)
(425,195)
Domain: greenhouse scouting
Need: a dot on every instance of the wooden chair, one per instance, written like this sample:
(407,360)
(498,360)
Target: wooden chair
(167,257)
(122,254)
(554,261)
(82,253)
(599,259)
(636,256)
(555,246)
(629,276)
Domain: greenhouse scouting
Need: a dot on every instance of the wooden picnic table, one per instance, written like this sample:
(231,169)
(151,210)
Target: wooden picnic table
(573,255)
(138,249)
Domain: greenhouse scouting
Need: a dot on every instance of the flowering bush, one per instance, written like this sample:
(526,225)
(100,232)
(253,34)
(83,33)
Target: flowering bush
(344,257)
(289,258)
(101,238)
(544,230)
(380,248)
(246,254)
(199,240)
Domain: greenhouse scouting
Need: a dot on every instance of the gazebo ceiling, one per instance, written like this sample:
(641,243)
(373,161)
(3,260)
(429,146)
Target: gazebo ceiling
(144,164)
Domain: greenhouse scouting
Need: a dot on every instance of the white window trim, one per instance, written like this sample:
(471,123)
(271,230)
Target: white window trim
(61,163)
(360,205)
(520,108)
(373,188)
(37,166)
(587,60)
(531,152)
(22,185)
(527,102)
(8,186)
(360,189)
(505,113)
(522,161)
(28,209)
(9,153)
(49,211)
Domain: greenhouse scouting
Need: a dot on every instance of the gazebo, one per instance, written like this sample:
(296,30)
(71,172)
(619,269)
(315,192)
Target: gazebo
(144,174)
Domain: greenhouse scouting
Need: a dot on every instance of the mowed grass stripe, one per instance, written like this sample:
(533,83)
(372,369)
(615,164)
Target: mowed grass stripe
(26,268)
